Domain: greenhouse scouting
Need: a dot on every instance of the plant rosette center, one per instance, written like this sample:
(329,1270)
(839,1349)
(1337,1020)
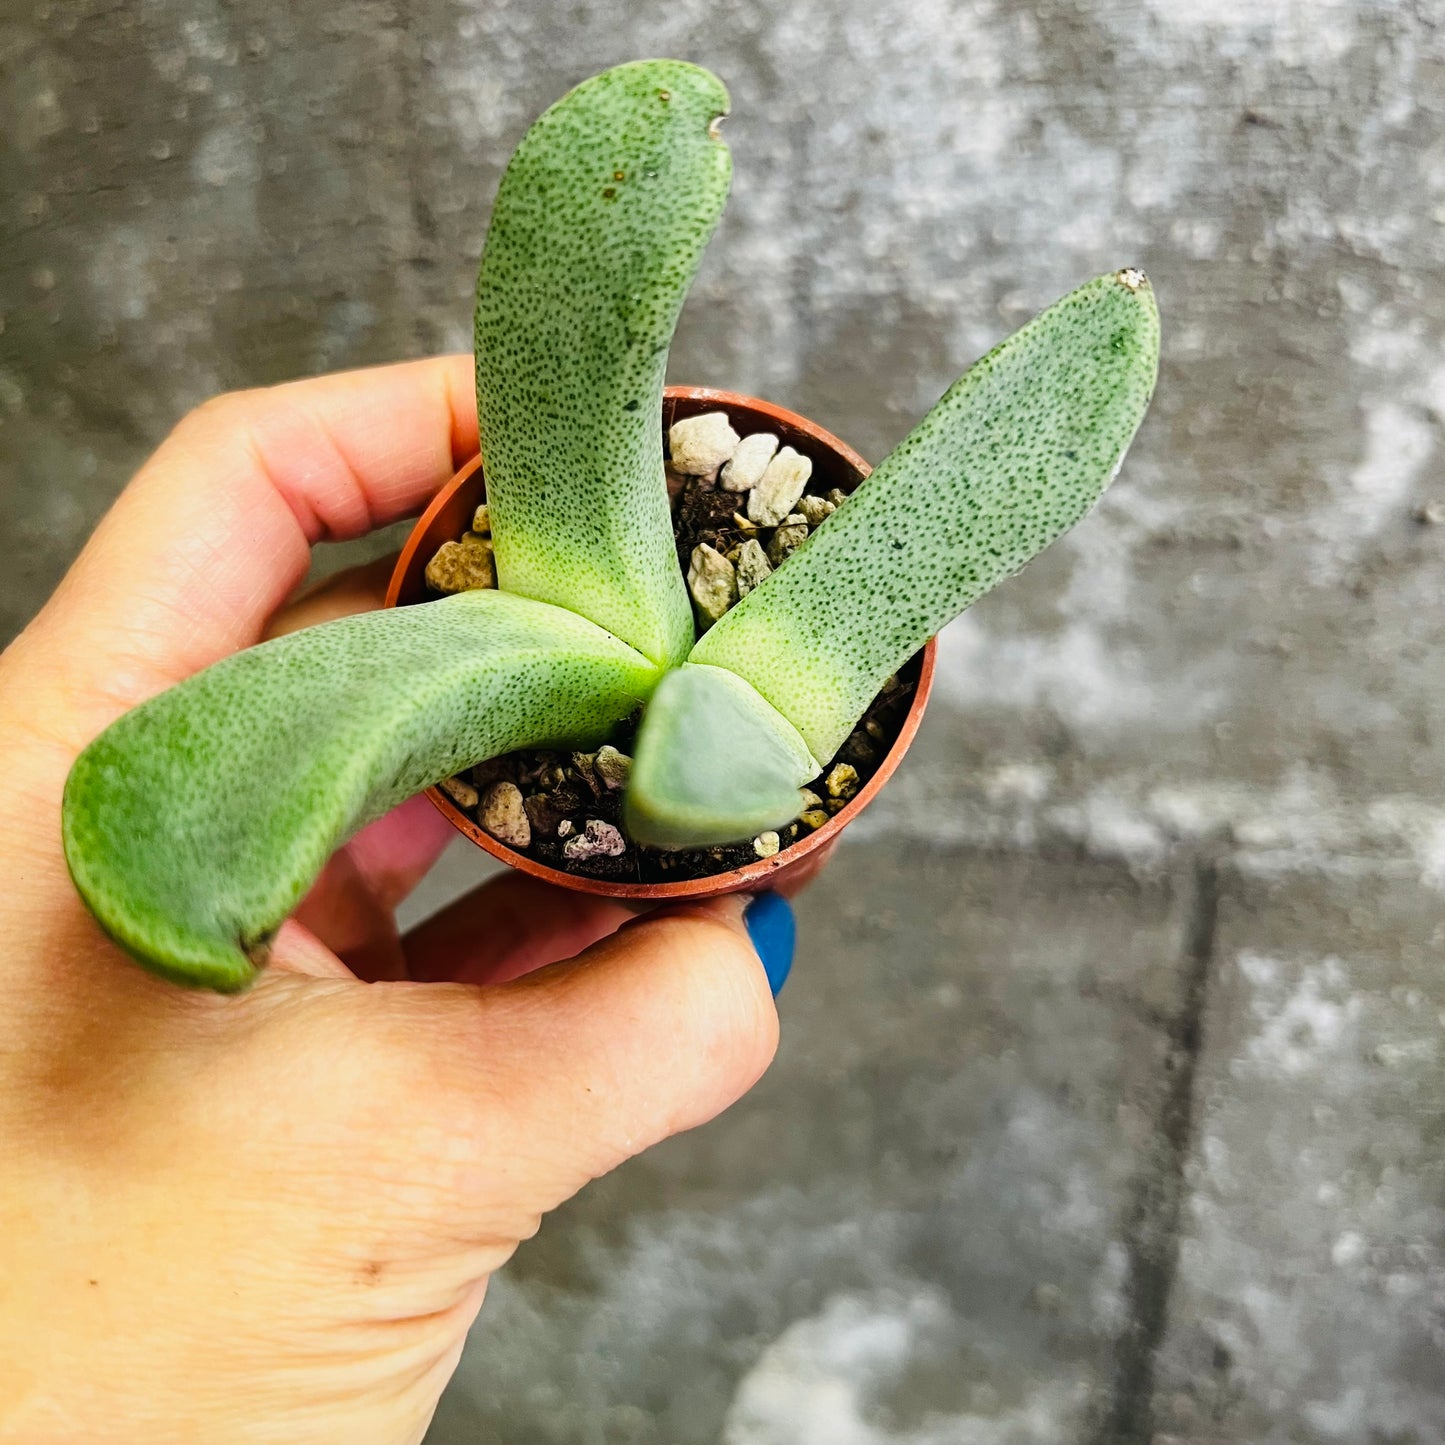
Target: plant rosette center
(743,499)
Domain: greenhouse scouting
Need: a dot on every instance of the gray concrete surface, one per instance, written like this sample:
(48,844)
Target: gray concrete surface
(1110,1101)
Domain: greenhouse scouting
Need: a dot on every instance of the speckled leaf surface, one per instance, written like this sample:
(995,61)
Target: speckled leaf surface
(1016,451)
(715,763)
(195,824)
(598,228)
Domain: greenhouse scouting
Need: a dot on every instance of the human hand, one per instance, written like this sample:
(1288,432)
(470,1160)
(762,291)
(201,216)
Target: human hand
(272,1217)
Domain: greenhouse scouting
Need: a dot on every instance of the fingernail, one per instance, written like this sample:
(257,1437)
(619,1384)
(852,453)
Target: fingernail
(774,932)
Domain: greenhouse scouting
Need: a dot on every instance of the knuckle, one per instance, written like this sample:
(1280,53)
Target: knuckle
(220,413)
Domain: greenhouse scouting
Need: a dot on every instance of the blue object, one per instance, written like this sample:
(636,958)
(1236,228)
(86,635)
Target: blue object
(774,932)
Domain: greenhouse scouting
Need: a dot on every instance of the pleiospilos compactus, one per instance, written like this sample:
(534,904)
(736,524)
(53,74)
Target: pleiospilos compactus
(196,823)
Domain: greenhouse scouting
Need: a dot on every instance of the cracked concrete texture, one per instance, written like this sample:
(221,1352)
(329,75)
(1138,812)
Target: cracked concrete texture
(1222,686)
(917,1228)
(1309,1302)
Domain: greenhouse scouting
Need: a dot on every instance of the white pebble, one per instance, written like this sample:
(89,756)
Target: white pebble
(782,484)
(766,844)
(597,840)
(749,462)
(701,444)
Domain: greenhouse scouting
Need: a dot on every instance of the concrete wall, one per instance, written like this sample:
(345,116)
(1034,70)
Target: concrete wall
(1110,1101)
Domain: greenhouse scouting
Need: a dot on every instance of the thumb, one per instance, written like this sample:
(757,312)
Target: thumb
(571,1070)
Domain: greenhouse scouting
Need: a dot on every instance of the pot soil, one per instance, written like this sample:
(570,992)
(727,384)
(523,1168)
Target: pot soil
(558,814)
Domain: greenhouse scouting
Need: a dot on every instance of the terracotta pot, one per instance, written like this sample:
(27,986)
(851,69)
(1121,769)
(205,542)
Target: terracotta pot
(836,465)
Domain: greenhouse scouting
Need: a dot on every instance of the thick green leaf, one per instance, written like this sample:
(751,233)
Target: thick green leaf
(1018,449)
(714,763)
(598,228)
(195,823)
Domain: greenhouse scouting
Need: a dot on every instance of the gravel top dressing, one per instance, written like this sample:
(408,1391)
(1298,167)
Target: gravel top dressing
(741,506)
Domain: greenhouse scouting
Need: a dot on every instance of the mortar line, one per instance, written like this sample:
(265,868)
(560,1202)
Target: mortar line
(1152,1231)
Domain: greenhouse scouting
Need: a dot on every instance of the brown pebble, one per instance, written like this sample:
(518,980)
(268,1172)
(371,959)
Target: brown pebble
(713,582)
(790,535)
(858,749)
(482,521)
(531,767)
(503,814)
(544,814)
(459,791)
(813,819)
(462,566)
(493,770)
(613,767)
(585,766)
(676,484)
(753,567)
(837,496)
(841,782)
(816,509)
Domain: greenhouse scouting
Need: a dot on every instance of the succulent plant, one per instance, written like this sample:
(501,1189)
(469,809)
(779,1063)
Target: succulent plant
(196,823)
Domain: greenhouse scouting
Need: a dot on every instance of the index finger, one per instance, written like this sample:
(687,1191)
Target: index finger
(215,530)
